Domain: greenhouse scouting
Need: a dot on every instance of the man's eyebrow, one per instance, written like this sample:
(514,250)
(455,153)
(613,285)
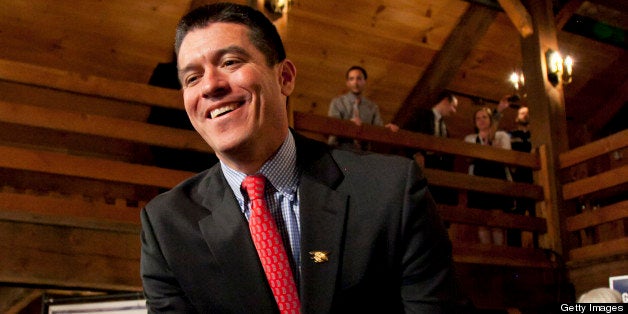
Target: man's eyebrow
(217,55)
(233,49)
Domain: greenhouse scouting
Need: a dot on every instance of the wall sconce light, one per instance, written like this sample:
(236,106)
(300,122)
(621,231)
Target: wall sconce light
(277,6)
(558,69)
(568,69)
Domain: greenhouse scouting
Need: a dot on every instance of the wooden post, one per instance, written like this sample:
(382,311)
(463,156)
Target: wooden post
(547,112)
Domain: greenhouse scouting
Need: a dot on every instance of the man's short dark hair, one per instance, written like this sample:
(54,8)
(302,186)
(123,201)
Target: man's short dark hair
(262,33)
(445,94)
(356,67)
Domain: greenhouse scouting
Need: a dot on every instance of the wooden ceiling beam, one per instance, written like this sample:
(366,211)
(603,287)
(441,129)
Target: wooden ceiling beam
(518,15)
(566,12)
(470,29)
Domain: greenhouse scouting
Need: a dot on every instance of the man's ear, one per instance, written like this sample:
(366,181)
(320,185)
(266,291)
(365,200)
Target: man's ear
(288,76)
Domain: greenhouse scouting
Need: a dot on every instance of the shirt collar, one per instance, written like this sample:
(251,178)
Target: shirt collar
(437,115)
(280,170)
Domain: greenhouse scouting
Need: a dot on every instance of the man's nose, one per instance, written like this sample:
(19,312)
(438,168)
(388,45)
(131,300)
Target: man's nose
(214,84)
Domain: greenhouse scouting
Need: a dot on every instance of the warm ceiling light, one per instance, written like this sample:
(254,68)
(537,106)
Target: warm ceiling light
(517,80)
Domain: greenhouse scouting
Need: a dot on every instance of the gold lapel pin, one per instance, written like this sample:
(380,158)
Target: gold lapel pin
(319,256)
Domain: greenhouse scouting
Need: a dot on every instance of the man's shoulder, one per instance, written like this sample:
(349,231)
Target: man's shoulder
(341,98)
(188,191)
(425,112)
(370,163)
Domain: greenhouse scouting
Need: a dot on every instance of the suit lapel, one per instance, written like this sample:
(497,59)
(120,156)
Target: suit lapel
(322,220)
(226,232)
(323,214)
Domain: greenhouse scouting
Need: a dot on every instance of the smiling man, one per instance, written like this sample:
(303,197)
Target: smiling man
(283,223)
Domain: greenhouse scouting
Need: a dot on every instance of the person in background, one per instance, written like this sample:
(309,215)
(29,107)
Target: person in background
(486,135)
(520,140)
(283,223)
(356,107)
(601,295)
(432,122)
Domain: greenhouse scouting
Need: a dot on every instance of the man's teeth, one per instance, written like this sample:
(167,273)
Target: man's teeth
(217,112)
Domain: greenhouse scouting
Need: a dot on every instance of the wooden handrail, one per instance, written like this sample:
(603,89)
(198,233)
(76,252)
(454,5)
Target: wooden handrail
(600,147)
(600,250)
(483,184)
(500,255)
(605,180)
(326,125)
(590,218)
(609,245)
(491,218)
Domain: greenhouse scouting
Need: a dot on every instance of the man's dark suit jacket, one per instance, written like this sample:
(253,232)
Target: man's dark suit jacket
(387,248)
(424,121)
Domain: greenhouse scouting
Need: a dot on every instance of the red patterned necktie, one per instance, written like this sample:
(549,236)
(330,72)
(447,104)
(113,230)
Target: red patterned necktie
(270,247)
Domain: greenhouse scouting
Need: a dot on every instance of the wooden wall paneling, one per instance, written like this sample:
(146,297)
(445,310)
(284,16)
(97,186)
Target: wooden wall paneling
(102,126)
(91,190)
(90,168)
(72,240)
(42,96)
(72,143)
(425,23)
(63,48)
(52,255)
(89,84)
(332,64)
(354,40)
(69,211)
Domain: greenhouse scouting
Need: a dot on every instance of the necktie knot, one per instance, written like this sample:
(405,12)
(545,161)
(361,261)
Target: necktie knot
(254,186)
